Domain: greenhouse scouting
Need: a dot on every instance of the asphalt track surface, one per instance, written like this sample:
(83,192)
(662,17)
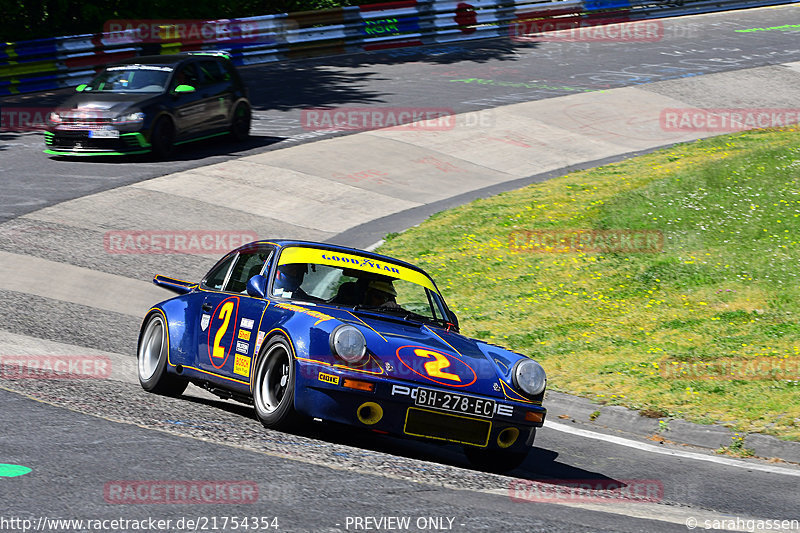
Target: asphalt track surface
(415,77)
(315,479)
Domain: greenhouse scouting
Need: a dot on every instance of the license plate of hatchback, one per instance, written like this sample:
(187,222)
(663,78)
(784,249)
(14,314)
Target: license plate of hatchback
(104,134)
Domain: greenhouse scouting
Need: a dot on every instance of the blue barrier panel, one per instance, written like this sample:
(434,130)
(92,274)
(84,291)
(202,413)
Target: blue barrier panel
(29,86)
(28,50)
(597,5)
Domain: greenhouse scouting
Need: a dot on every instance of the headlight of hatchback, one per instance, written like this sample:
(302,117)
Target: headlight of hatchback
(130,118)
(529,377)
(348,343)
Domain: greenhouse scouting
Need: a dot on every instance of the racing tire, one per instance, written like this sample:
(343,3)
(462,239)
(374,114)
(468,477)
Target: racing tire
(496,461)
(163,138)
(274,385)
(240,124)
(151,357)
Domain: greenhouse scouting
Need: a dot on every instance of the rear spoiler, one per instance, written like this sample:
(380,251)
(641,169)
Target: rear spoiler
(173,284)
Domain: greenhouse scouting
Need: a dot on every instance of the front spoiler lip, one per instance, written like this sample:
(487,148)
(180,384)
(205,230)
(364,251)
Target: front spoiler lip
(92,153)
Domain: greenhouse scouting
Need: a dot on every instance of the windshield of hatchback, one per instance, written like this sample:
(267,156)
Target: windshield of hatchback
(131,78)
(362,283)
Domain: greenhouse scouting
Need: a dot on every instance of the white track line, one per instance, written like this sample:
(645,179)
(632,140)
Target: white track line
(666,451)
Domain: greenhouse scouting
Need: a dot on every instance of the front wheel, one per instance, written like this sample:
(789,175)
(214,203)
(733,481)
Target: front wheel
(152,360)
(163,138)
(273,389)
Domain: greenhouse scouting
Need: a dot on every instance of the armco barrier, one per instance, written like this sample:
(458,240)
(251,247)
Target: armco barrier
(46,64)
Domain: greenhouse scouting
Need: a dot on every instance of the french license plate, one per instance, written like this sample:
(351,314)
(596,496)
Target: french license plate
(104,134)
(455,403)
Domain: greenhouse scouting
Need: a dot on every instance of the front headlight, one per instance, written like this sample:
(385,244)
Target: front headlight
(54,118)
(529,377)
(348,343)
(130,118)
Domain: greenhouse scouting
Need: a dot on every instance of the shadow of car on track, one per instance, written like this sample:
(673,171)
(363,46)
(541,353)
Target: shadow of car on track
(540,465)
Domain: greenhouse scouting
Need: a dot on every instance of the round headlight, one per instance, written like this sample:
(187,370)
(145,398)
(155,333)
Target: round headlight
(348,343)
(529,377)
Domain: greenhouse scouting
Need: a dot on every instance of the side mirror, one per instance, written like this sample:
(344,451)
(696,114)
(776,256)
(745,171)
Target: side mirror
(451,316)
(184,89)
(257,286)
(80,88)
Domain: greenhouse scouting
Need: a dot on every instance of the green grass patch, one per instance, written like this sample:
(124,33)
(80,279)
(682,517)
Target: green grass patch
(691,330)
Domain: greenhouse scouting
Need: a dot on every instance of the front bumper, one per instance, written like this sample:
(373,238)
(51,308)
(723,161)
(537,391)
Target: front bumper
(391,409)
(78,143)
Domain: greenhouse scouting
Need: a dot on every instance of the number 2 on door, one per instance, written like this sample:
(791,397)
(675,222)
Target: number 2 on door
(225,316)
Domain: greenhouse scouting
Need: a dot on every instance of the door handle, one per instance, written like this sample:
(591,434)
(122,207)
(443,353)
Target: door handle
(206,306)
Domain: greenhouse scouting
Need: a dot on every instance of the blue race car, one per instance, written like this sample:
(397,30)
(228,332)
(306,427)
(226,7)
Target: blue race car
(309,330)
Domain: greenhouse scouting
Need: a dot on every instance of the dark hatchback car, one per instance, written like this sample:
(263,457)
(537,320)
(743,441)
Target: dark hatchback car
(151,104)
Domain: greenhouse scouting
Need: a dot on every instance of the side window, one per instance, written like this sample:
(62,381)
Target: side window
(216,278)
(187,75)
(247,265)
(213,72)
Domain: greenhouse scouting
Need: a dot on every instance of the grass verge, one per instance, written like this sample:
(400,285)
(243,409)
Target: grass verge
(705,329)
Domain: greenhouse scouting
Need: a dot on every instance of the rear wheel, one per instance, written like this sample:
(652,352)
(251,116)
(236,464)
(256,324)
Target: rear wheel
(152,360)
(273,389)
(240,125)
(163,138)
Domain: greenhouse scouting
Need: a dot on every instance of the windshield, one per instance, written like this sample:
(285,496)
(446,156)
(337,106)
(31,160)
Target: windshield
(362,283)
(131,78)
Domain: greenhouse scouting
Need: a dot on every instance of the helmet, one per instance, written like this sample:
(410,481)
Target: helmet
(382,286)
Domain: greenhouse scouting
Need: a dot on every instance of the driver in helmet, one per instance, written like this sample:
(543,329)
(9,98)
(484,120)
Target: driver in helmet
(288,280)
(381,293)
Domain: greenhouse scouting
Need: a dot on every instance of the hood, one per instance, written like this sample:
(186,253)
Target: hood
(432,356)
(103,105)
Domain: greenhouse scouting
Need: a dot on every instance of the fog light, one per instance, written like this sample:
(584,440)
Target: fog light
(507,437)
(369,413)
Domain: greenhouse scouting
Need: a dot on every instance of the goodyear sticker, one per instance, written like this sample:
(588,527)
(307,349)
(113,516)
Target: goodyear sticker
(241,365)
(246,323)
(327,378)
(297,254)
(244,334)
(242,347)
